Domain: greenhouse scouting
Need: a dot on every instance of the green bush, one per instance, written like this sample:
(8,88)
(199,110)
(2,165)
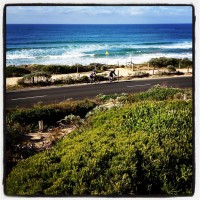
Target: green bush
(16,71)
(156,93)
(186,63)
(37,78)
(84,79)
(50,114)
(142,149)
(164,62)
(141,75)
(65,69)
(73,120)
(171,68)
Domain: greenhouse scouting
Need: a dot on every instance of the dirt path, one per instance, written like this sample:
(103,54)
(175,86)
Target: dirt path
(44,140)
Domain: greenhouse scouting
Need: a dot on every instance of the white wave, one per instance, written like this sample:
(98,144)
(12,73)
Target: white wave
(185,45)
(138,59)
(84,54)
(18,56)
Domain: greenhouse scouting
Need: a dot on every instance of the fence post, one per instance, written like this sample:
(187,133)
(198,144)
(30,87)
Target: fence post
(41,125)
(118,75)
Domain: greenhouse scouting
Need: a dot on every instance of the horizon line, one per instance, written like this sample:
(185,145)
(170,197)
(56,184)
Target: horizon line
(94,24)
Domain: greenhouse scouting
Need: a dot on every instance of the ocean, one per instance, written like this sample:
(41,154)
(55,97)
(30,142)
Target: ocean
(85,44)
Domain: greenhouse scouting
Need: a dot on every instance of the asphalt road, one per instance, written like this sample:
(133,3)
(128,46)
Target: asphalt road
(26,98)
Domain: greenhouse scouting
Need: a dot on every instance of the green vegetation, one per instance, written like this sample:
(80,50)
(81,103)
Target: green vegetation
(164,62)
(140,75)
(50,114)
(171,68)
(42,79)
(36,75)
(37,78)
(20,121)
(12,71)
(141,148)
(16,71)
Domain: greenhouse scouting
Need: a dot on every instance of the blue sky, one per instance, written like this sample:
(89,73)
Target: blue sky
(98,14)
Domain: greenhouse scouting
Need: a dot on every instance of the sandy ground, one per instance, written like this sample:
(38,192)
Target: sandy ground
(44,140)
(118,71)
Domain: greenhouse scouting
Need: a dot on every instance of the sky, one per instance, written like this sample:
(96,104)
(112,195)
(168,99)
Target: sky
(98,14)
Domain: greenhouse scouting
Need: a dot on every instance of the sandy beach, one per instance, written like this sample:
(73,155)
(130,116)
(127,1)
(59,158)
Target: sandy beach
(119,71)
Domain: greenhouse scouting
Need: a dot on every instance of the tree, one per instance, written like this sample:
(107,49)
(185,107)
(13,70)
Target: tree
(186,63)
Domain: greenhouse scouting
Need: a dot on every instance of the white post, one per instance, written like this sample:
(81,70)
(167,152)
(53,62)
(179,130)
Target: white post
(41,125)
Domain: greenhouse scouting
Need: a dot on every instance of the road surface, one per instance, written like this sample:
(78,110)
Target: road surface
(28,97)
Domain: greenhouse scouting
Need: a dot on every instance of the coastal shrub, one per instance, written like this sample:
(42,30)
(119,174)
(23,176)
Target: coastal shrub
(50,114)
(14,152)
(19,122)
(16,71)
(101,78)
(56,69)
(139,149)
(32,80)
(164,62)
(156,93)
(104,97)
(171,68)
(38,78)
(57,81)
(84,79)
(141,74)
(33,67)
(71,120)
(158,62)
(65,69)
(99,66)
(173,61)
(164,73)
(186,63)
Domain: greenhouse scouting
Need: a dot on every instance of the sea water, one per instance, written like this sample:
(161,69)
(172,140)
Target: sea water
(85,44)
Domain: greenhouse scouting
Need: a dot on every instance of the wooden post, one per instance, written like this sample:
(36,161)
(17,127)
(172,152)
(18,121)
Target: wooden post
(78,75)
(185,97)
(118,75)
(41,125)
